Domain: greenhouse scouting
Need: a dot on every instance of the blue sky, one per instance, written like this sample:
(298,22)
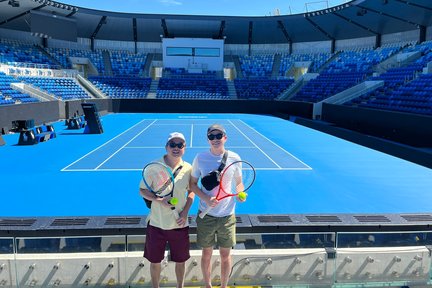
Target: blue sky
(208,7)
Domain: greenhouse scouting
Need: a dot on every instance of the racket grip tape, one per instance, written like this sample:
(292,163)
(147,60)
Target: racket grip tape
(175,213)
(203,213)
(173,201)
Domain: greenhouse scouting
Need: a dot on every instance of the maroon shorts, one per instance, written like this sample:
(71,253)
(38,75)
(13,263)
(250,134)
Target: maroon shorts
(156,240)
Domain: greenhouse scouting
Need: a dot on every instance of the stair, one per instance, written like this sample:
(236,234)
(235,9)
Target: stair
(231,90)
(237,66)
(49,56)
(89,87)
(276,65)
(322,68)
(153,89)
(33,91)
(146,69)
(107,63)
(297,86)
(292,90)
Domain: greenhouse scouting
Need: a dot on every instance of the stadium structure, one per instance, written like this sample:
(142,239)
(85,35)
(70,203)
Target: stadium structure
(361,71)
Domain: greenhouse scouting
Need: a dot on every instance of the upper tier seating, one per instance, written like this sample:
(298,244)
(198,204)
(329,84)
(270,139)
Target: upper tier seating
(257,65)
(348,69)
(127,63)
(62,55)
(122,87)
(24,55)
(192,88)
(182,73)
(264,89)
(287,61)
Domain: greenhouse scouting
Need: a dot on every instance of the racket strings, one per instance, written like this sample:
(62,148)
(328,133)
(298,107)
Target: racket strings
(231,179)
(248,177)
(159,180)
(165,188)
(242,175)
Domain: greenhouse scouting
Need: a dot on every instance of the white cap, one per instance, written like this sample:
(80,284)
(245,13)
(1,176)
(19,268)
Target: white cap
(176,135)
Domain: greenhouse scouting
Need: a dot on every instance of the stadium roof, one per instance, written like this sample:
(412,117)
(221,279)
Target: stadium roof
(354,19)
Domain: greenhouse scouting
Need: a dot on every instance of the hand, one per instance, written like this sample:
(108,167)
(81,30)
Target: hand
(181,221)
(166,203)
(211,201)
(242,196)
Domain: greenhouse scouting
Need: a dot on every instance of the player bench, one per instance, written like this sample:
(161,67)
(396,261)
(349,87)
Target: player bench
(76,122)
(36,135)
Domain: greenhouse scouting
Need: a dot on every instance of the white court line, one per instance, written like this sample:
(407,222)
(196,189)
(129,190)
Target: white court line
(191,136)
(97,167)
(255,145)
(190,146)
(146,147)
(276,145)
(169,124)
(200,147)
(192,117)
(102,145)
(140,169)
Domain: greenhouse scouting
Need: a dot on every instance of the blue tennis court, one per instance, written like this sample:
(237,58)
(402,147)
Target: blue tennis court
(299,170)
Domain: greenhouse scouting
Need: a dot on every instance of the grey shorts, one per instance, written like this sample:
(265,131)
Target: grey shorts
(216,230)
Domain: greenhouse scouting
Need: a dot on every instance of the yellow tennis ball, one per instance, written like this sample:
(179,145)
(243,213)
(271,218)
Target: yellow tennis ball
(173,201)
(242,196)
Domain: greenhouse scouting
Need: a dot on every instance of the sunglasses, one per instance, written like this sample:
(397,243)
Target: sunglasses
(215,136)
(178,145)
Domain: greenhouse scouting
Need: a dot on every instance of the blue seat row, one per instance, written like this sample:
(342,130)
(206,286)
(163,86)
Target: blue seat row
(127,63)
(317,60)
(122,87)
(197,88)
(62,88)
(10,96)
(257,65)
(264,89)
(18,52)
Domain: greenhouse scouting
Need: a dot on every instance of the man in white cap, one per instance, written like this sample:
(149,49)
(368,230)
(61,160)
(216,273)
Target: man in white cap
(163,227)
(218,226)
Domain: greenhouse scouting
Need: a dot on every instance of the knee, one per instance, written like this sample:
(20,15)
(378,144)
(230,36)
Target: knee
(226,258)
(206,257)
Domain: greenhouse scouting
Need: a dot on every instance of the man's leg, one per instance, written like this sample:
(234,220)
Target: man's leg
(206,265)
(225,254)
(155,271)
(180,272)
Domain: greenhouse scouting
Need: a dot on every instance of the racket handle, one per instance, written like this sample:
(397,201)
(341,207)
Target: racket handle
(173,201)
(175,213)
(203,213)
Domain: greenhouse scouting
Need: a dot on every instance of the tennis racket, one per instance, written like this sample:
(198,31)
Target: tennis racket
(235,178)
(159,180)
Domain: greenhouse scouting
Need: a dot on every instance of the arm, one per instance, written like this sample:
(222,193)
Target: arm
(185,212)
(193,184)
(239,186)
(145,193)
